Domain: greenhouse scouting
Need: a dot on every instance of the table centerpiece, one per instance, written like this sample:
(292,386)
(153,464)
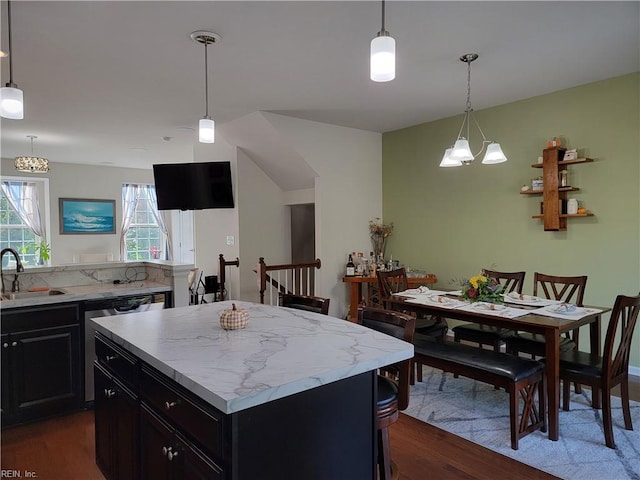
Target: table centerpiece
(481,288)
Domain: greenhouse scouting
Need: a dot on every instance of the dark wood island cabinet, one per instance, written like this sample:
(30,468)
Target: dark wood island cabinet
(198,402)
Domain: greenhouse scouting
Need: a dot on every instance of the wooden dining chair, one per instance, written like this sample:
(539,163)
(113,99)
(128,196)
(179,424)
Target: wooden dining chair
(305,302)
(604,373)
(485,334)
(565,289)
(393,380)
(394,281)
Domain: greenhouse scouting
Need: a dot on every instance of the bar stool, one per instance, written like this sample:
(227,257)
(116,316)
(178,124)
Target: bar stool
(393,380)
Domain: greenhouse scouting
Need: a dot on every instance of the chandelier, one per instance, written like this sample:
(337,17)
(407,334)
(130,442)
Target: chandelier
(31,163)
(460,153)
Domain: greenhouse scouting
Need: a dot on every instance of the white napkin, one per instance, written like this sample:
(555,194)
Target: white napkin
(437,300)
(519,299)
(496,310)
(559,311)
(421,290)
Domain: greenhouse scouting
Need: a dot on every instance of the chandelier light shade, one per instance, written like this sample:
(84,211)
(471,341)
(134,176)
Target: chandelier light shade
(460,153)
(447,161)
(383,54)
(11,97)
(206,126)
(31,163)
(494,154)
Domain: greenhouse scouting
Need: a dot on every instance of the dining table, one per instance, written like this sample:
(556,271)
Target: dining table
(357,293)
(550,325)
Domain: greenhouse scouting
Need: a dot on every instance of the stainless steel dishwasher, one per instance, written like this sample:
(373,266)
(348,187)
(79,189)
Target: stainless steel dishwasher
(104,308)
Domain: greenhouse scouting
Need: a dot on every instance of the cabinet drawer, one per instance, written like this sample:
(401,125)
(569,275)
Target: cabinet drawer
(112,357)
(203,425)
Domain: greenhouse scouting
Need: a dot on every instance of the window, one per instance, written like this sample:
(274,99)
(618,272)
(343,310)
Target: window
(143,229)
(15,234)
(21,225)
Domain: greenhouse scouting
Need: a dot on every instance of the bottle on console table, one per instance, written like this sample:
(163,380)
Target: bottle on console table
(351,267)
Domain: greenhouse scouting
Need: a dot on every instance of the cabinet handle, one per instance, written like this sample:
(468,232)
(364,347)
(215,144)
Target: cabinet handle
(166,450)
(168,405)
(5,345)
(108,358)
(14,344)
(172,455)
(108,392)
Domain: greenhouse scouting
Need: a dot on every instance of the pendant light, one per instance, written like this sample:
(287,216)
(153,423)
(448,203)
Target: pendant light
(11,98)
(206,126)
(460,153)
(31,163)
(383,55)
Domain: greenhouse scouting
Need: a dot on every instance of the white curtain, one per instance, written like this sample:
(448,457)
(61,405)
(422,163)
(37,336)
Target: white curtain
(159,216)
(23,197)
(130,198)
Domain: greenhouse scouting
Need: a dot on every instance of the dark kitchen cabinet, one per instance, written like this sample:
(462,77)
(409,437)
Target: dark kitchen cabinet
(167,455)
(41,363)
(116,424)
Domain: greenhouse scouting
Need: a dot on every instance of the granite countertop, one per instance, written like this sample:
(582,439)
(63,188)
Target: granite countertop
(281,352)
(84,292)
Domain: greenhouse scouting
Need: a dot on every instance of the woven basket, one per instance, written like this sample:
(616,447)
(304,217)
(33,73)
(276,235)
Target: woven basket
(234,318)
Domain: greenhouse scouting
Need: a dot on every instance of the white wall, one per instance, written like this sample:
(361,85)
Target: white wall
(68,180)
(265,224)
(214,225)
(348,193)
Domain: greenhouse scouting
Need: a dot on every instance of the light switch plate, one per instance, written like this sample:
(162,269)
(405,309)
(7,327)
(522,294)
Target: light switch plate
(231,240)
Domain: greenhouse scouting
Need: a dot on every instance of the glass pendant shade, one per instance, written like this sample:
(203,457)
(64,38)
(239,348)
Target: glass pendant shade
(207,131)
(447,161)
(11,103)
(383,58)
(494,154)
(461,151)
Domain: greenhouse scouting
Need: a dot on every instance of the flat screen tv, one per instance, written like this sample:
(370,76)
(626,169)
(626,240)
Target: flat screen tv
(193,186)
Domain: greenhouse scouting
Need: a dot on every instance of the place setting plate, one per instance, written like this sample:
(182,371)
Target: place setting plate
(528,300)
(567,310)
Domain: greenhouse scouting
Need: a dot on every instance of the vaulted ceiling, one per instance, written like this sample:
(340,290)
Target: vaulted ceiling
(121,83)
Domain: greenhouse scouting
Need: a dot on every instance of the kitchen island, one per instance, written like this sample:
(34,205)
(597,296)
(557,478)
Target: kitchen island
(290,396)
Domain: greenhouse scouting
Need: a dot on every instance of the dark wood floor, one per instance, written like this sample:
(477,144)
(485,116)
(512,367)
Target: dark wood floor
(63,449)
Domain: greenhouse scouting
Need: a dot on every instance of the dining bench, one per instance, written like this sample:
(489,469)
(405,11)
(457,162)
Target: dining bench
(520,377)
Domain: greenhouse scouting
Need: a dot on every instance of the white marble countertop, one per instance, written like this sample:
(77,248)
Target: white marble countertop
(281,352)
(85,292)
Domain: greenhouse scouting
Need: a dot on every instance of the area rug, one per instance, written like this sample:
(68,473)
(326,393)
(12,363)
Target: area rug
(480,413)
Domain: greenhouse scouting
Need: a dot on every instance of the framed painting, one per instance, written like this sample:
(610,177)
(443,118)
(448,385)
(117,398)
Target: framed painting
(87,216)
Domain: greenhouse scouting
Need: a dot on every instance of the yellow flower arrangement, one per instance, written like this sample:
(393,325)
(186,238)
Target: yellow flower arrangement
(480,288)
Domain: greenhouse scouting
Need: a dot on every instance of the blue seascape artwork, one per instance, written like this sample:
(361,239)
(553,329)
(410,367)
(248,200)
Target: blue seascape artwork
(87,216)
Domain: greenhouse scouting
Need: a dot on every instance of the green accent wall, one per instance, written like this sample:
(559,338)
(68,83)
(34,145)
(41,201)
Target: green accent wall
(455,221)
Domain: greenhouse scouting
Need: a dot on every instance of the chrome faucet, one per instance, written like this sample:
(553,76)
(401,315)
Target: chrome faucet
(15,286)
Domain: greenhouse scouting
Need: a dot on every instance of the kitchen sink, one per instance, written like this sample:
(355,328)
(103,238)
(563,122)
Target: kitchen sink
(23,295)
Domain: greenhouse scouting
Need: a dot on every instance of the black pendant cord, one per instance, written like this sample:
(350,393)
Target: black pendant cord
(10,84)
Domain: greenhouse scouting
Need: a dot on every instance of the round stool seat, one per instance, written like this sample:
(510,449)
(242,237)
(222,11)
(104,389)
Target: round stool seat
(387,391)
